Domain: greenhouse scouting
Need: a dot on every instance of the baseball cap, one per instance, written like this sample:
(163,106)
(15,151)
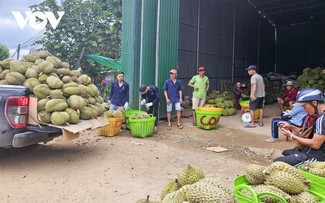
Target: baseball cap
(142,89)
(251,67)
(289,83)
(173,71)
(201,68)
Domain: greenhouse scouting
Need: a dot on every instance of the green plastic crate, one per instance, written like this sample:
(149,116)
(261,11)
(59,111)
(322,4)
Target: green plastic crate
(241,183)
(142,127)
(129,113)
(207,117)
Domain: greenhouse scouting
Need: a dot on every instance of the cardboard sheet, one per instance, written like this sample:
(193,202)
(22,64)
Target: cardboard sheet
(69,131)
(217,149)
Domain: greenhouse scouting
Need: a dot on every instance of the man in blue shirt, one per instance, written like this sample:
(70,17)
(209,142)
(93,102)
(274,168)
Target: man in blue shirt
(173,95)
(119,94)
(150,98)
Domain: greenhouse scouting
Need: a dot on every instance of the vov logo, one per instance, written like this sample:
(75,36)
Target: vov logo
(32,17)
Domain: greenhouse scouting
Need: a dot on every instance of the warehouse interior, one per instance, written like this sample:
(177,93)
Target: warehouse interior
(225,36)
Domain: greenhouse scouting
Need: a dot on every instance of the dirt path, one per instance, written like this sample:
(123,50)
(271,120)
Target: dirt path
(124,169)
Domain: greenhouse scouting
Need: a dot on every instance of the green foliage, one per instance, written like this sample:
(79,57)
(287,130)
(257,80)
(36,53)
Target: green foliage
(94,25)
(4,52)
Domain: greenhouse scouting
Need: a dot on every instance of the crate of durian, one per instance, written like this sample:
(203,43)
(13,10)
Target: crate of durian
(142,124)
(315,172)
(115,119)
(278,182)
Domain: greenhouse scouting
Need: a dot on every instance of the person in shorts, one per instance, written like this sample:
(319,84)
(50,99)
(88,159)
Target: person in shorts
(173,95)
(256,96)
(200,84)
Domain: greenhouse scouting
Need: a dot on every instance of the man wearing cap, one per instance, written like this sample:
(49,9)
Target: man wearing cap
(256,96)
(200,84)
(173,95)
(310,141)
(119,95)
(150,98)
(288,96)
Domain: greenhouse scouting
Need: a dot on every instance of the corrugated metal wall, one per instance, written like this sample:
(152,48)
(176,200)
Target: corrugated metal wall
(147,56)
(224,37)
(301,46)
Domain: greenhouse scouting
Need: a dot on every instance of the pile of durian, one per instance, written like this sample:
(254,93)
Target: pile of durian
(192,186)
(279,178)
(225,100)
(118,113)
(317,168)
(64,95)
(311,77)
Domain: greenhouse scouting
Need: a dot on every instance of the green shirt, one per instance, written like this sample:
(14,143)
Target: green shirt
(201,83)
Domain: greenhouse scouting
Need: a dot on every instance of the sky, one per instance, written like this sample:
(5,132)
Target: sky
(10,33)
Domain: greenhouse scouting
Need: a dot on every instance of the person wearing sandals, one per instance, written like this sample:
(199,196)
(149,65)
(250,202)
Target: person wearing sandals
(294,117)
(310,142)
(151,99)
(200,84)
(256,96)
(173,95)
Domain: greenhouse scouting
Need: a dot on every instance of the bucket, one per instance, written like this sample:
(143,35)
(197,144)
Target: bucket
(113,128)
(207,117)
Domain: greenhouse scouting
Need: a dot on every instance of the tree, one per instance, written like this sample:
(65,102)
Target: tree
(94,25)
(4,52)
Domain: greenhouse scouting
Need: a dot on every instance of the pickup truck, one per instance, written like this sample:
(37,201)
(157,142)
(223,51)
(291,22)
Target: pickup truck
(14,128)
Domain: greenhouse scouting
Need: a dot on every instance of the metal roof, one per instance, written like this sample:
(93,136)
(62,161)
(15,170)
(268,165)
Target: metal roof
(283,13)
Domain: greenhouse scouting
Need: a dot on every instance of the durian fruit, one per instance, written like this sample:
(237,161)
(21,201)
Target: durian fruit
(76,102)
(108,114)
(91,100)
(65,65)
(56,105)
(42,54)
(38,61)
(54,82)
(254,174)
(282,166)
(55,61)
(146,200)
(31,73)
(269,188)
(117,114)
(216,183)
(316,164)
(86,113)
(68,91)
(66,79)
(42,78)
(317,171)
(203,192)
(6,63)
(170,187)
(83,90)
(178,196)
(41,91)
(99,99)
(190,175)
(75,73)
(74,116)
(30,83)
(286,182)
(59,117)
(92,90)
(304,197)
(4,82)
(4,73)
(56,94)
(15,78)
(45,67)
(84,79)
(41,104)
(31,57)
(17,66)
(44,116)
(64,72)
